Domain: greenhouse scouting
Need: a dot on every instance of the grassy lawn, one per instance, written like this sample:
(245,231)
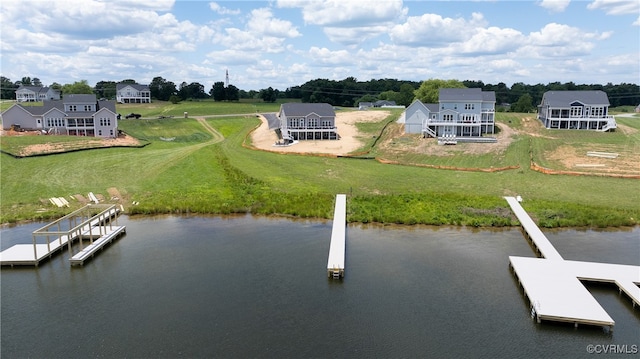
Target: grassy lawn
(184,170)
(197,108)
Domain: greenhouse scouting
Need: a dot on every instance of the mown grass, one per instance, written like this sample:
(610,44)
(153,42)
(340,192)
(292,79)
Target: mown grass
(197,175)
(199,108)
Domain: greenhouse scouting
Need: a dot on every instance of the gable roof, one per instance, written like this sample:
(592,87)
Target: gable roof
(138,87)
(465,94)
(566,98)
(36,89)
(79,98)
(459,94)
(298,109)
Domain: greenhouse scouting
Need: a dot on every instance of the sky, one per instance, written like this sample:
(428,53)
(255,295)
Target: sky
(284,43)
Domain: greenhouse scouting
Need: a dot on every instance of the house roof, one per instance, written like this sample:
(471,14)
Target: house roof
(138,87)
(465,94)
(303,109)
(460,94)
(432,107)
(566,98)
(36,89)
(58,104)
(79,98)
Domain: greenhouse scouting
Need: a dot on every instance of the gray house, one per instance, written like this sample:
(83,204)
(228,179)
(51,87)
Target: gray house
(307,121)
(132,93)
(36,94)
(459,113)
(579,110)
(75,115)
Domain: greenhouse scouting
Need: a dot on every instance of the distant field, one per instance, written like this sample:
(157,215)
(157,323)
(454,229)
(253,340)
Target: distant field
(183,170)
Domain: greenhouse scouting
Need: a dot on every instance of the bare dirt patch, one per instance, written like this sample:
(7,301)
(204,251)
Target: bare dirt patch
(576,159)
(350,139)
(396,142)
(57,147)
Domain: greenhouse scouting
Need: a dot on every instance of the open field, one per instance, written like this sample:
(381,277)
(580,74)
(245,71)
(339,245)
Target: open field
(188,169)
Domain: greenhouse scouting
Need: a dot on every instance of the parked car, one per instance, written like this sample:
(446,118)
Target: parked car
(133,115)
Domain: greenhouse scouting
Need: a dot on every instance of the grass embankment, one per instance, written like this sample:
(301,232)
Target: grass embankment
(191,173)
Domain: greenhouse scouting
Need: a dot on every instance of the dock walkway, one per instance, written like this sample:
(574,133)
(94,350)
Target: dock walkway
(335,263)
(107,237)
(546,249)
(554,285)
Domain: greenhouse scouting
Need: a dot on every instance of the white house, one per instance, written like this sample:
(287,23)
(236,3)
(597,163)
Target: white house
(460,113)
(579,110)
(75,115)
(36,94)
(132,93)
(307,121)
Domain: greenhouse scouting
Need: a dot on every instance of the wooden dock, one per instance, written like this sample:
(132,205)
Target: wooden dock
(91,221)
(335,263)
(554,285)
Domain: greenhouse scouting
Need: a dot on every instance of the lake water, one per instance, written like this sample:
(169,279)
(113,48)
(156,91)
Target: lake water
(241,287)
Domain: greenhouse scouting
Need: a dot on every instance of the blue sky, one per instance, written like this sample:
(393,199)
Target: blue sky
(283,43)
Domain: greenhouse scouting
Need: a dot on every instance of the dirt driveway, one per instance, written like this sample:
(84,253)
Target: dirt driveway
(349,141)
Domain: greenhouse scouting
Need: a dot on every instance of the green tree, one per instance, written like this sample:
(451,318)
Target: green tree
(26,81)
(428,92)
(36,82)
(405,96)
(268,95)
(162,89)
(524,104)
(218,92)
(105,89)
(232,93)
(78,87)
(7,88)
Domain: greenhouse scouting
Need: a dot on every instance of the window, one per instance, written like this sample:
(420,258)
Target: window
(597,111)
(469,106)
(447,117)
(72,108)
(88,108)
(576,111)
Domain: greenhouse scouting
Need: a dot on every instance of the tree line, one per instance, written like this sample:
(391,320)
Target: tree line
(349,92)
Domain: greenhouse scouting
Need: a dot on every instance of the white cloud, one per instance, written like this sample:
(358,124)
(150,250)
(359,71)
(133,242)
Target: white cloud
(262,22)
(616,7)
(349,22)
(493,40)
(555,5)
(223,10)
(433,29)
(557,40)
(347,13)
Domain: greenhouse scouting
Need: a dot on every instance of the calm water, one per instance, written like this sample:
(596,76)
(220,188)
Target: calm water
(256,287)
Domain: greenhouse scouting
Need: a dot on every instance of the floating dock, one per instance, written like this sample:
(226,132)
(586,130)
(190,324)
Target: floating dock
(104,234)
(554,285)
(91,221)
(335,263)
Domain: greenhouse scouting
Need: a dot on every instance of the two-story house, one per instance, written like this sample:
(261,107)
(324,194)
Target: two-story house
(463,113)
(307,121)
(75,115)
(36,94)
(132,93)
(579,110)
